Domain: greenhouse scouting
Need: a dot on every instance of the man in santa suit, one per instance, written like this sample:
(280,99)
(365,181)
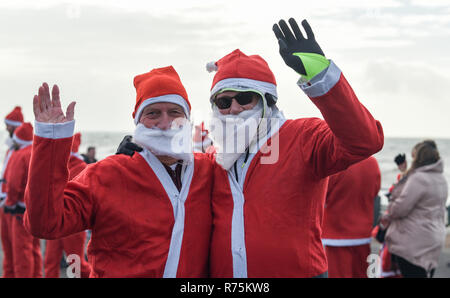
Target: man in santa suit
(269,193)
(348,218)
(26,253)
(149,213)
(13,120)
(73,244)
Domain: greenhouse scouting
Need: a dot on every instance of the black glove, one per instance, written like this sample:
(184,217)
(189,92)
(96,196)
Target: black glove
(291,43)
(127,147)
(400,158)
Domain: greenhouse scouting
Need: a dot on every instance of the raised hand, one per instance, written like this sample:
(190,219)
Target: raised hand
(304,55)
(48,109)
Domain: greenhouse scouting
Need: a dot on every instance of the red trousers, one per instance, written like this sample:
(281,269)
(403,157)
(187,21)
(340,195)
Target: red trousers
(6,230)
(347,261)
(73,244)
(27,259)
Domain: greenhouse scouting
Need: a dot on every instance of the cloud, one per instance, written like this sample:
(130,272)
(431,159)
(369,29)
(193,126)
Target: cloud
(93,49)
(409,98)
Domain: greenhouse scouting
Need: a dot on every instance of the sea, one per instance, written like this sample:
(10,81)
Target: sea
(106,144)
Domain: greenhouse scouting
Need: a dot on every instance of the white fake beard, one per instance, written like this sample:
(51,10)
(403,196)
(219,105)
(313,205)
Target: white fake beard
(175,142)
(233,134)
(9,142)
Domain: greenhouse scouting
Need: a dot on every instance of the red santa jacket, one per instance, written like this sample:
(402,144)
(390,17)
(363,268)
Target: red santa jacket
(269,223)
(16,176)
(348,217)
(76,165)
(141,225)
(3,173)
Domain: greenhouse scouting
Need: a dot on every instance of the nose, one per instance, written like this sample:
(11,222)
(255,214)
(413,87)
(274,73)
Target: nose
(235,107)
(164,122)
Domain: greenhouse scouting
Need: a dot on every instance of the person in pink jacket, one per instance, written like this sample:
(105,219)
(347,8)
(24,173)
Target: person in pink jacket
(150,214)
(269,192)
(73,244)
(348,218)
(416,218)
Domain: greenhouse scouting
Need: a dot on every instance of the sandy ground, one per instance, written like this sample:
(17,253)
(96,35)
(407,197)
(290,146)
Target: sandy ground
(443,271)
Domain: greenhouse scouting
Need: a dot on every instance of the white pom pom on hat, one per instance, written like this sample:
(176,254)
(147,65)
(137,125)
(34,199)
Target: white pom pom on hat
(211,66)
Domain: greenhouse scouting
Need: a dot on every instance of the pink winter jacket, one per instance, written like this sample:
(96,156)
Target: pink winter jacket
(417,217)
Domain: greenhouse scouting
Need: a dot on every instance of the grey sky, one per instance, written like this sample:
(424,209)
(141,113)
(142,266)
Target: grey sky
(394,53)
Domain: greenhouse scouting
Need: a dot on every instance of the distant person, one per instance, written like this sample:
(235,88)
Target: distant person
(389,268)
(201,139)
(416,218)
(12,121)
(348,218)
(26,253)
(89,156)
(73,244)
(402,165)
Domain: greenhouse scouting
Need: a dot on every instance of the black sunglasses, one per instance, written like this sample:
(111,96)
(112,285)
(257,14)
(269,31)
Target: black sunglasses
(242,98)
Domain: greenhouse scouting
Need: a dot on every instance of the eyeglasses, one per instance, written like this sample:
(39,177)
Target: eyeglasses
(242,98)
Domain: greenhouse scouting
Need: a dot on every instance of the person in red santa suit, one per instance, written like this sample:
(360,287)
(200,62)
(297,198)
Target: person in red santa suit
(202,141)
(149,213)
(270,190)
(13,120)
(348,218)
(26,253)
(73,244)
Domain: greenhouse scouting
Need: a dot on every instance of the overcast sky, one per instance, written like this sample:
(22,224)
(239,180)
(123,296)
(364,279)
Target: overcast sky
(395,54)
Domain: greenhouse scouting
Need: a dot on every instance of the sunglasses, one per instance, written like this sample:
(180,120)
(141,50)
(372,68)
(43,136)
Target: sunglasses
(242,98)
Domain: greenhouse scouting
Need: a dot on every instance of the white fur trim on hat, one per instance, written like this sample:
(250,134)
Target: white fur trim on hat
(22,143)
(245,84)
(172,98)
(211,66)
(13,123)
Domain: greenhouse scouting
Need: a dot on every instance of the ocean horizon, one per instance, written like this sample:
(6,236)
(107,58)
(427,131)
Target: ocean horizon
(106,144)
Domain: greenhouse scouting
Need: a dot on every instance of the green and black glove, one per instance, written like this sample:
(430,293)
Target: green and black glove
(303,55)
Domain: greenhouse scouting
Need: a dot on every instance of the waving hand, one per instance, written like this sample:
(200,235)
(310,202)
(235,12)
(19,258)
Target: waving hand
(48,109)
(304,55)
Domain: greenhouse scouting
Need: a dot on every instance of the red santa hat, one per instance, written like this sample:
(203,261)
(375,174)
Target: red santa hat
(159,85)
(76,141)
(23,135)
(237,71)
(15,118)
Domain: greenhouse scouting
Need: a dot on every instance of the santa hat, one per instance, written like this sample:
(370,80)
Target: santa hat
(159,85)
(15,118)
(240,72)
(76,141)
(23,135)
